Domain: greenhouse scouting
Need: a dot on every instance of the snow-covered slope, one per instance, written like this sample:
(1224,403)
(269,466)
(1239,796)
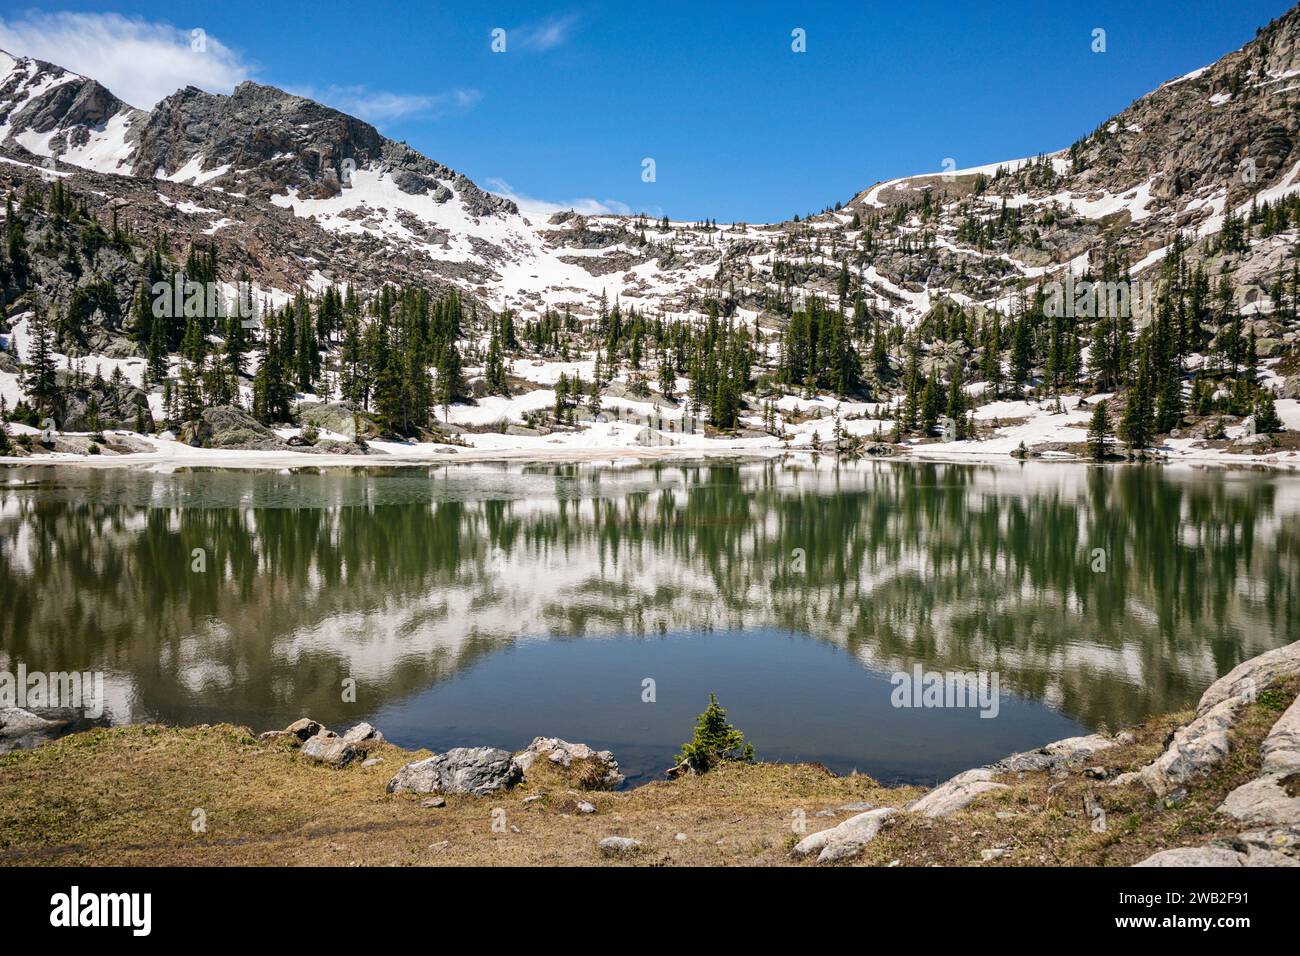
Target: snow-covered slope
(50,112)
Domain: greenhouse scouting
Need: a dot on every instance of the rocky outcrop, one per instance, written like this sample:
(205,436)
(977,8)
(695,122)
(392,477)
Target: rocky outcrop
(1274,846)
(340,418)
(1198,748)
(224,426)
(472,770)
(1274,796)
(587,768)
(1194,751)
(1060,755)
(1250,677)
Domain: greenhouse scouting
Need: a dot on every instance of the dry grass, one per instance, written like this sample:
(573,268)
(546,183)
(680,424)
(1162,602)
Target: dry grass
(126,795)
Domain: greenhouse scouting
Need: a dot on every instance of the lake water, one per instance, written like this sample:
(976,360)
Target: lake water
(491,603)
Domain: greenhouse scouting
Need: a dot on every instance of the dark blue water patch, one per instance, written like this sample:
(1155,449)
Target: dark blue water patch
(797,699)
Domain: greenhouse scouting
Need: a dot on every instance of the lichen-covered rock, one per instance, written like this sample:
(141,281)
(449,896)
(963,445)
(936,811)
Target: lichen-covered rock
(1250,677)
(845,840)
(474,770)
(589,769)
(957,793)
(1061,754)
(1274,796)
(1194,751)
(1265,800)
(1216,854)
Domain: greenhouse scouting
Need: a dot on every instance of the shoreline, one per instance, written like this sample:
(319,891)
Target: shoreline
(162,462)
(1206,787)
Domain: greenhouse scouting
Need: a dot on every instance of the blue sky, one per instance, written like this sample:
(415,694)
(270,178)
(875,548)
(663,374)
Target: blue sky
(739,125)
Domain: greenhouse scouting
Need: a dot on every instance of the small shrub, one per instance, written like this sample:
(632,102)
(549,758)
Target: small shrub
(715,741)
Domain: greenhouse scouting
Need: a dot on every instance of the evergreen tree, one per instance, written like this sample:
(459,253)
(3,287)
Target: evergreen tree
(715,741)
(39,378)
(1266,417)
(1098,431)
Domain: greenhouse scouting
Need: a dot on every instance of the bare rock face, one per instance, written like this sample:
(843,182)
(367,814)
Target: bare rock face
(262,141)
(63,108)
(473,770)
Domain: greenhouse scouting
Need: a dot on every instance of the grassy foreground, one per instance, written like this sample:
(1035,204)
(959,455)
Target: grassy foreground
(127,796)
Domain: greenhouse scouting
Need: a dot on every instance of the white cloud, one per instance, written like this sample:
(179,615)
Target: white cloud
(377,106)
(541,208)
(545,35)
(141,62)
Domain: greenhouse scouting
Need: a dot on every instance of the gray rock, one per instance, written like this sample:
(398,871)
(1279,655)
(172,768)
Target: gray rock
(957,793)
(585,807)
(1252,676)
(1273,839)
(1262,801)
(1281,748)
(338,417)
(1194,751)
(1194,856)
(363,733)
(1060,755)
(433,803)
(22,730)
(16,722)
(845,840)
(619,846)
(1266,799)
(331,749)
(603,768)
(1216,854)
(475,770)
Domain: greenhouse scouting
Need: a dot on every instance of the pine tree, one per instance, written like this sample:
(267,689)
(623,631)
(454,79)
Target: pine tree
(1098,431)
(715,740)
(451,378)
(1266,417)
(39,379)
